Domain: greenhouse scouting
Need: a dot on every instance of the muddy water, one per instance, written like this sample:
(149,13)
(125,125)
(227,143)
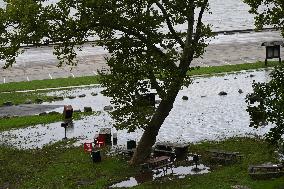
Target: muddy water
(205,116)
(179,172)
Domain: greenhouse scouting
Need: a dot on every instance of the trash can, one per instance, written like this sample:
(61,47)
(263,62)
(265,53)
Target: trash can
(96,156)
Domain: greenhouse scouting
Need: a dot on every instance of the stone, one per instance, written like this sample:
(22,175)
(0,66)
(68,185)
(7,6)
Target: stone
(38,100)
(58,98)
(184,98)
(203,96)
(53,113)
(94,94)
(240,91)
(82,95)
(42,114)
(88,109)
(158,101)
(239,187)
(28,101)
(8,103)
(71,97)
(222,93)
(251,75)
(108,108)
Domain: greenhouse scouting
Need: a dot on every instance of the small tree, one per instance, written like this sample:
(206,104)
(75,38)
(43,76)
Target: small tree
(268,12)
(266,105)
(146,50)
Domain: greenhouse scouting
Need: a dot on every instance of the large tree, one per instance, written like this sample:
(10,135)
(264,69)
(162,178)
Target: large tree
(147,51)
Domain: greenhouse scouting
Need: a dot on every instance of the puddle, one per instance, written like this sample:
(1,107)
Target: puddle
(205,115)
(179,172)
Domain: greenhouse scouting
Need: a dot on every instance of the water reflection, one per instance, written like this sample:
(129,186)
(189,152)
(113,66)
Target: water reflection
(179,172)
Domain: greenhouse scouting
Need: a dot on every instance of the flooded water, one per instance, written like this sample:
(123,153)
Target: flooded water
(226,15)
(204,116)
(179,172)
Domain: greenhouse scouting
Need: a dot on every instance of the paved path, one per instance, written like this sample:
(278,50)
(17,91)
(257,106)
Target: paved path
(26,109)
(39,63)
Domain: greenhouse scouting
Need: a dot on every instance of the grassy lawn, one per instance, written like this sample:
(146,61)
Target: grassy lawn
(20,98)
(87,80)
(25,121)
(231,68)
(62,166)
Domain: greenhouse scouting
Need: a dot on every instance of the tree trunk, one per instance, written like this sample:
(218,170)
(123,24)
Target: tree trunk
(148,138)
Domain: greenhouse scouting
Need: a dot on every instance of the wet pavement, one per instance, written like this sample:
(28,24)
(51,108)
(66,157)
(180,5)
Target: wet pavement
(24,110)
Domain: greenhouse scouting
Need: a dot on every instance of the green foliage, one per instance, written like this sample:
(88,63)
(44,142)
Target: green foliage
(268,12)
(146,51)
(266,104)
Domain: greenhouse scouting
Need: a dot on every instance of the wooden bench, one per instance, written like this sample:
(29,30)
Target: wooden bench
(156,163)
(266,171)
(224,156)
(170,149)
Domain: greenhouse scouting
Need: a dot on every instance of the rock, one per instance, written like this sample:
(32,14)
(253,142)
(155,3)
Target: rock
(88,109)
(239,187)
(226,79)
(184,98)
(222,93)
(82,95)
(53,113)
(108,108)
(58,98)
(203,96)
(94,94)
(71,97)
(158,101)
(235,78)
(42,114)
(28,101)
(240,91)
(8,103)
(38,100)
(77,111)
(251,75)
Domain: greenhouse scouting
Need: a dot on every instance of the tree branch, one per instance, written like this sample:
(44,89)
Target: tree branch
(199,22)
(156,85)
(169,24)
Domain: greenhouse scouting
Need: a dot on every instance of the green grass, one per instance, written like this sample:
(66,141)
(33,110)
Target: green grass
(62,166)
(25,121)
(57,166)
(255,151)
(87,80)
(48,83)
(20,98)
(231,68)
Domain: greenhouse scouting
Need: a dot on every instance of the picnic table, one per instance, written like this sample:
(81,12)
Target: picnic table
(225,156)
(156,163)
(170,149)
(266,171)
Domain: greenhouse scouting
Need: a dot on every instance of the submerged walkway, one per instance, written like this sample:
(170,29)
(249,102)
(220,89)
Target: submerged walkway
(40,63)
